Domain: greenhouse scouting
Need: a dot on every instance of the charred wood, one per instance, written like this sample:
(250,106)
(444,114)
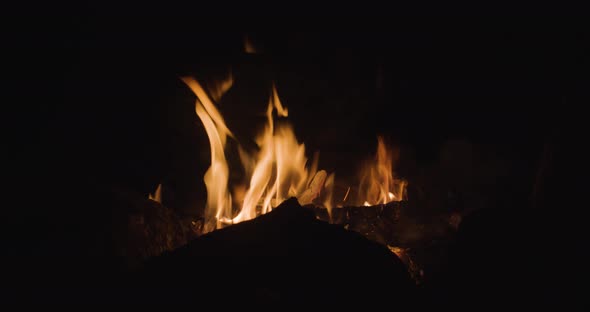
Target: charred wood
(286,256)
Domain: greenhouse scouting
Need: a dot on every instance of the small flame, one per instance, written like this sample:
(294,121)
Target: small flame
(346,195)
(276,102)
(397,251)
(248,46)
(157,195)
(378,185)
(329,186)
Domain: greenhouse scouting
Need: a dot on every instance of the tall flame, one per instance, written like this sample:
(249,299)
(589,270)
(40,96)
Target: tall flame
(217,176)
(278,170)
(378,185)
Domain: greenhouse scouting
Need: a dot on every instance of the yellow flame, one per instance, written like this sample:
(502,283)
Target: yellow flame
(157,195)
(277,171)
(280,157)
(397,251)
(217,90)
(346,195)
(217,176)
(378,185)
(329,186)
(208,106)
(276,102)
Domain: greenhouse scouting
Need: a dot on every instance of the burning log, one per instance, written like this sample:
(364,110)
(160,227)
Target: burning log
(418,243)
(156,229)
(376,222)
(286,256)
(144,228)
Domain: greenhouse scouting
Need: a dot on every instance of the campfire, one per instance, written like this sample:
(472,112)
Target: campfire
(246,180)
(335,155)
(279,169)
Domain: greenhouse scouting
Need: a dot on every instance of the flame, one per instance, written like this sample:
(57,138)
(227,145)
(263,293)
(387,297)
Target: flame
(329,186)
(400,252)
(277,170)
(280,166)
(378,185)
(217,176)
(157,195)
(248,46)
(403,254)
(217,90)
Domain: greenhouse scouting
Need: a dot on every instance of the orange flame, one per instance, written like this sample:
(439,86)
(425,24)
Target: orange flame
(217,176)
(157,195)
(377,183)
(280,157)
(248,46)
(277,171)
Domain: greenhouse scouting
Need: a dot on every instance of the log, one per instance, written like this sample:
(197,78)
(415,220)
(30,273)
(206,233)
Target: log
(155,229)
(390,225)
(375,222)
(281,258)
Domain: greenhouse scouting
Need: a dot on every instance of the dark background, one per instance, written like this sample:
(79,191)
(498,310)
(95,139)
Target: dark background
(102,93)
(97,104)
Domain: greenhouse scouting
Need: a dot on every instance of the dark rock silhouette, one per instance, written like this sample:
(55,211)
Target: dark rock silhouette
(286,257)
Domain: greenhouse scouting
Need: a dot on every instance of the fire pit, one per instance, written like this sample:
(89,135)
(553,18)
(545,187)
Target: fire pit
(278,168)
(320,157)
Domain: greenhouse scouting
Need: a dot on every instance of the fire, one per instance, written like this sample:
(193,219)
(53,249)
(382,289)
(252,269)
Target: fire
(378,185)
(157,195)
(217,176)
(278,170)
(248,46)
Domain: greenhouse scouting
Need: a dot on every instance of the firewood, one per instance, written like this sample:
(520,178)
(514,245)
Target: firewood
(376,222)
(315,186)
(286,254)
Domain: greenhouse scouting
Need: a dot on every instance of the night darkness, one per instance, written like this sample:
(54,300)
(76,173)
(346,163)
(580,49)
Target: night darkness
(98,106)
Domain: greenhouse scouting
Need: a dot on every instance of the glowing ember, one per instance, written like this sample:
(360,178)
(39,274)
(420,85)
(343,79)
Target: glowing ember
(248,46)
(416,273)
(157,195)
(397,251)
